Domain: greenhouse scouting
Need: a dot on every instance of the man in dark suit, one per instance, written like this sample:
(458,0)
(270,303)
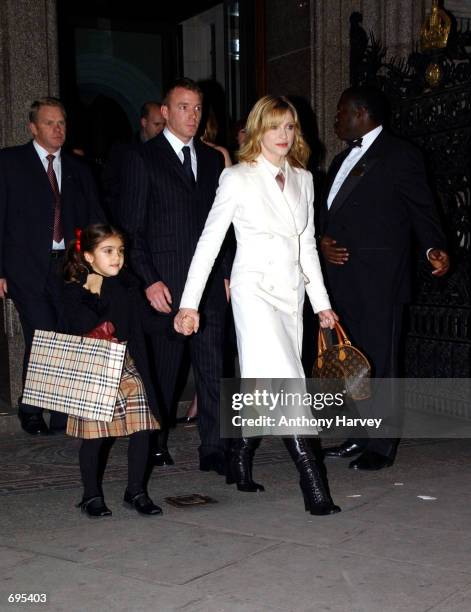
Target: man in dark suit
(151,123)
(169,187)
(377,197)
(44,195)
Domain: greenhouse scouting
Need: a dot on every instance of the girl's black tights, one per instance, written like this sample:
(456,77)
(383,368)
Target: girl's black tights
(93,457)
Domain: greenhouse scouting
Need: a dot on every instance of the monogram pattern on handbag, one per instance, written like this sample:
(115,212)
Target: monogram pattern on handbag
(73,374)
(343,363)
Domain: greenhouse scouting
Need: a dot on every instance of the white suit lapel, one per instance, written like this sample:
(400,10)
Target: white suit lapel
(292,190)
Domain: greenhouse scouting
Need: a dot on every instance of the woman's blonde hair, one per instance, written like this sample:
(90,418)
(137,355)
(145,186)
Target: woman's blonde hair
(267,113)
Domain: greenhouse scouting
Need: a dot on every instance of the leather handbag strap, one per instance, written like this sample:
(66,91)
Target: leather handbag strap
(342,338)
(341,335)
(321,343)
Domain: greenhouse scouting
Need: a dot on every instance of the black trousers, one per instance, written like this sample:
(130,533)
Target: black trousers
(379,338)
(93,457)
(206,354)
(41,312)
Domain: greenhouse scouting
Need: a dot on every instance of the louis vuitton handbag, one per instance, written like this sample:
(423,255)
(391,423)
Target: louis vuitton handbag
(344,364)
(76,375)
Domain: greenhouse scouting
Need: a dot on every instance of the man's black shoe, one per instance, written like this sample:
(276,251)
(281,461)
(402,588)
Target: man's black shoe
(186,420)
(162,457)
(33,424)
(345,450)
(370,460)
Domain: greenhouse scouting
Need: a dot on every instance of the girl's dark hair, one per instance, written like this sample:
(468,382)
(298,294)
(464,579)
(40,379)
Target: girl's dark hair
(75,265)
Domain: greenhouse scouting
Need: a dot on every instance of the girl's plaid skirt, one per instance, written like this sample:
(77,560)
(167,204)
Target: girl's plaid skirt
(131,413)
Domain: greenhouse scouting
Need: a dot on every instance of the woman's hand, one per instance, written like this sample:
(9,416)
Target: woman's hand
(187,321)
(94,282)
(327,318)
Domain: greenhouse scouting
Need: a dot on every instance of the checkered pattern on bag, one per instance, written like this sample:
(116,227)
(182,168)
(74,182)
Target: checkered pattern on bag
(73,374)
(131,413)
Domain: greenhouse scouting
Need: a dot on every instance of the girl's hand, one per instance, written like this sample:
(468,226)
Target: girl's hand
(187,321)
(327,318)
(94,282)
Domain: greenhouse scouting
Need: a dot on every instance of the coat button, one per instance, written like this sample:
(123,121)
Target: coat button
(271,287)
(295,313)
(294,288)
(270,263)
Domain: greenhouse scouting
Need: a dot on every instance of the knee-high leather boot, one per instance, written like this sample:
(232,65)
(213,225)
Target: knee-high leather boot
(313,481)
(240,464)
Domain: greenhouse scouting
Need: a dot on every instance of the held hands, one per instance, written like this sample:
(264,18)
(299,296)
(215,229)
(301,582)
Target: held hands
(94,283)
(187,321)
(440,261)
(333,254)
(327,318)
(3,288)
(159,297)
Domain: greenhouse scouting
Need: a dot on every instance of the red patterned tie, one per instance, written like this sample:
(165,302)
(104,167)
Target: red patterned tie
(57,234)
(280,179)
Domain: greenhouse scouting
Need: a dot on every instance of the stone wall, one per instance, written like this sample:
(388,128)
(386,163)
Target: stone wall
(397,24)
(307,44)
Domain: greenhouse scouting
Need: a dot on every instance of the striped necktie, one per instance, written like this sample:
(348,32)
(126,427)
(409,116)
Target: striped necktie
(57,234)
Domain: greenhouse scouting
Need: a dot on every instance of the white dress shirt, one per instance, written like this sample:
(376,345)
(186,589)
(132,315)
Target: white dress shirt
(351,161)
(177,145)
(56,164)
(271,167)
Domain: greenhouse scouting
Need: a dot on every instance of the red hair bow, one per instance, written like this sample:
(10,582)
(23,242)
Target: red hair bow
(78,234)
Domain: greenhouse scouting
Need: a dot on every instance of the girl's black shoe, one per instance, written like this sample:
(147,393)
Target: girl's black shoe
(94,507)
(142,503)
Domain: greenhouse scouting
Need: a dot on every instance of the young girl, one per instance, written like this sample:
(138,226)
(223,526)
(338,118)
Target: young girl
(97,289)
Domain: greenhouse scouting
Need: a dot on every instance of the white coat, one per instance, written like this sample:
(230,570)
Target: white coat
(275,263)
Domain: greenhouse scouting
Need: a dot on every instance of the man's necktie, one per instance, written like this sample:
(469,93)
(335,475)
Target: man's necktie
(187,164)
(57,234)
(280,179)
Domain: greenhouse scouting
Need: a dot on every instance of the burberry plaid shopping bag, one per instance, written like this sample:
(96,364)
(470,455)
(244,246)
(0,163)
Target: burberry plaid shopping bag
(73,374)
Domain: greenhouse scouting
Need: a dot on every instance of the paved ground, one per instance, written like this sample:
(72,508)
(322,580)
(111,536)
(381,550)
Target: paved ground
(387,551)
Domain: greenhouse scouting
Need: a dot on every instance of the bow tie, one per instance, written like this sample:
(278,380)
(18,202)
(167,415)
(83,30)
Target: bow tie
(354,143)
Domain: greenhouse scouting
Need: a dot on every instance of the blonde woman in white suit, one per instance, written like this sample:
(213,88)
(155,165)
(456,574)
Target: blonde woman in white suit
(268,197)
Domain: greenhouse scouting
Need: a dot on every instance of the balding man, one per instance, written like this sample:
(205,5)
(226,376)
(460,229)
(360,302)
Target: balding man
(45,194)
(152,121)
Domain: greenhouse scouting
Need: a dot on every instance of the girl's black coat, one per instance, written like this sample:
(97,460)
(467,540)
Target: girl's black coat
(120,302)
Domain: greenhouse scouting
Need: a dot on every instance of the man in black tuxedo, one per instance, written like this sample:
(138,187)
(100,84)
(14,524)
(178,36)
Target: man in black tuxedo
(377,197)
(44,195)
(169,187)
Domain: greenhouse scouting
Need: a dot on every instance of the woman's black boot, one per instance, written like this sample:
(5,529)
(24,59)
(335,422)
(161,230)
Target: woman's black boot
(240,465)
(313,482)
